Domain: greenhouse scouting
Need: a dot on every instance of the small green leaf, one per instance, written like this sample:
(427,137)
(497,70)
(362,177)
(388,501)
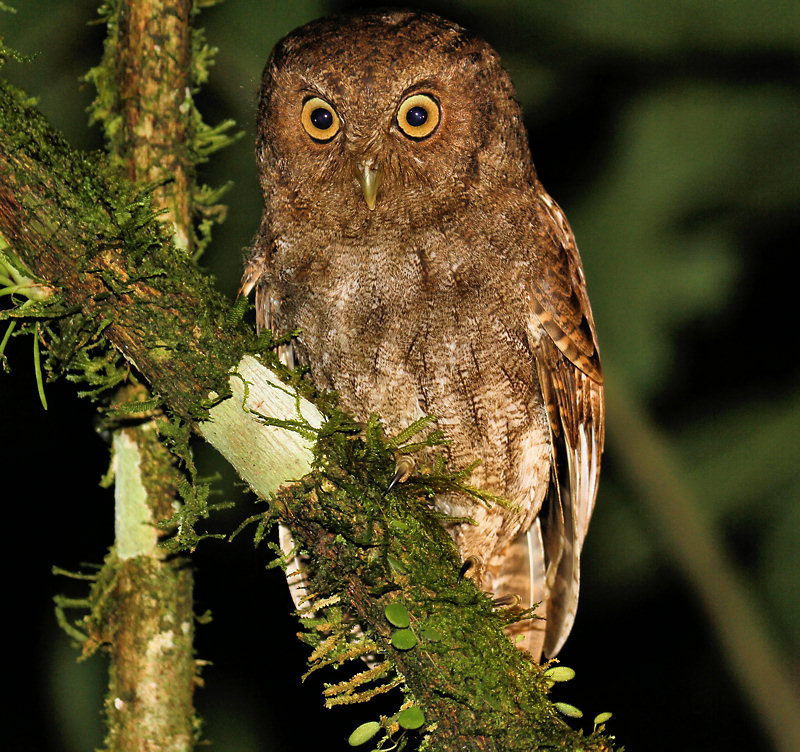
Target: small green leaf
(364,733)
(395,564)
(411,718)
(560,673)
(568,710)
(432,634)
(397,614)
(37,368)
(404,639)
(601,718)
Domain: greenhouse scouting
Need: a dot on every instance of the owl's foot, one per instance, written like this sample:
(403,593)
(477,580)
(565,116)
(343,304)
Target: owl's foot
(252,274)
(403,469)
(510,600)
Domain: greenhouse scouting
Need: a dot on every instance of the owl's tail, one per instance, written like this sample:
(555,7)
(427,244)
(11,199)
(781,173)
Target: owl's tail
(522,572)
(296,576)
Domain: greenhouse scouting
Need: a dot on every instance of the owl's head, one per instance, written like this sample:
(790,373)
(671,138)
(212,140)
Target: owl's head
(396,114)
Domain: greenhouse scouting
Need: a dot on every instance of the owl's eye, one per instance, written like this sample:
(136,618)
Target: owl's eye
(319,119)
(418,116)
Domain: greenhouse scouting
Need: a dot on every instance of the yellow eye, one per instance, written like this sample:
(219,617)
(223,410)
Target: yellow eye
(319,119)
(418,116)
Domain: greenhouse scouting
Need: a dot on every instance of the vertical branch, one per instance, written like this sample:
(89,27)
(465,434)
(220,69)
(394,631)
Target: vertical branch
(151,627)
(152,62)
(144,103)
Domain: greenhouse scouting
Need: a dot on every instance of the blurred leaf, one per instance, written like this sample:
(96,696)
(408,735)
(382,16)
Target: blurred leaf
(779,570)
(659,239)
(620,552)
(661,26)
(747,454)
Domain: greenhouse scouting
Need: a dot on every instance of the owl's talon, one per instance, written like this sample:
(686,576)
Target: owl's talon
(252,274)
(469,563)
(507,601)
(403,469)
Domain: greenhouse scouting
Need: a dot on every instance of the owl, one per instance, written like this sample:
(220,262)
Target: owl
(406,235)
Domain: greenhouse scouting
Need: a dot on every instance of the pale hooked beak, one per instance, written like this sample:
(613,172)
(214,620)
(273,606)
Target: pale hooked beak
(368,175)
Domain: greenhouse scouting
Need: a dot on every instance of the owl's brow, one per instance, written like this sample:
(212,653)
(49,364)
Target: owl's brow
(310,89)
(424,83)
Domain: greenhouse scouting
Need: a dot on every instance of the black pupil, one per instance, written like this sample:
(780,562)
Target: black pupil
(322,119)
(416,116)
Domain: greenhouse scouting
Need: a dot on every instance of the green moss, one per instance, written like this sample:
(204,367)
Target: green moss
(112,220)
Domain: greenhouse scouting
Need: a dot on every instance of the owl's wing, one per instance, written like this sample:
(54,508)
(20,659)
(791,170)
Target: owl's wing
(257,265)
(255,273)
(569,372)
(254,277)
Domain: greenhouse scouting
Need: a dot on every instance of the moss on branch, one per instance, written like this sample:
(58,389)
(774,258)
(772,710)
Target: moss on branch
(76,223)
(370,552)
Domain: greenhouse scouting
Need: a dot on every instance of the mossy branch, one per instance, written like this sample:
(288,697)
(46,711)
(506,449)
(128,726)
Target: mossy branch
(119,283)
(146,620)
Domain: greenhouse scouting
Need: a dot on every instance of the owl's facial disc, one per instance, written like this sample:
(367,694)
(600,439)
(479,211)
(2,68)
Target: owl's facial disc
(321,122)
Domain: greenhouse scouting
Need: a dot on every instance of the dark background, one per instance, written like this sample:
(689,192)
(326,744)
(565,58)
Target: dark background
(668,131)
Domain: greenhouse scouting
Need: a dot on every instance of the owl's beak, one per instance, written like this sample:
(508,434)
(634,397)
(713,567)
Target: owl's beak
(368,175)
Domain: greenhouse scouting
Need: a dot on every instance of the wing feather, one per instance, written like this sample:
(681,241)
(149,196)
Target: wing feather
(570,377)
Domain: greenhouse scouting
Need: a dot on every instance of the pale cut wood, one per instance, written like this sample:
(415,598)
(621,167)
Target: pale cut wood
(266,457)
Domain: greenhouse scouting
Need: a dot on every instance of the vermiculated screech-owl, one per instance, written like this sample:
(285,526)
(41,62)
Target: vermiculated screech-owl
(406,234)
